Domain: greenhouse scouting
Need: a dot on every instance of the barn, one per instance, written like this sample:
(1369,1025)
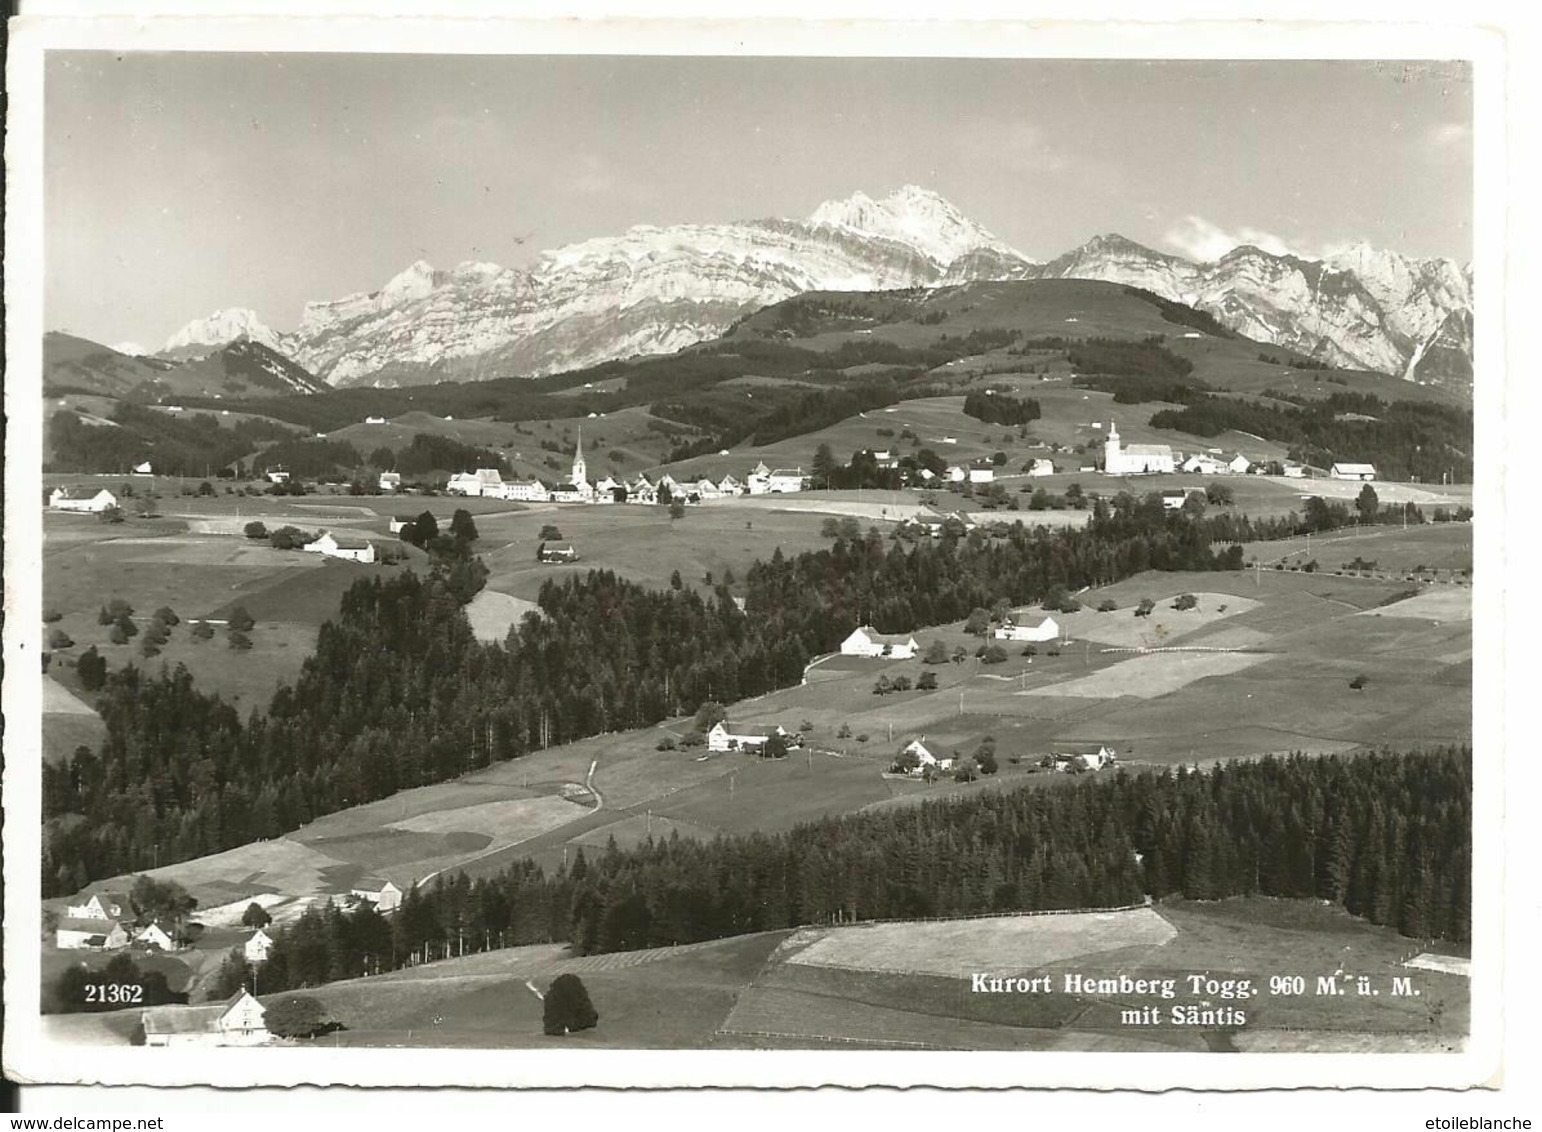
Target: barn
(238,1021)
(867,641)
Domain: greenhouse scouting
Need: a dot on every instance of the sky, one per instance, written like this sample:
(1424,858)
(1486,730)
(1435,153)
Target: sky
(177,184)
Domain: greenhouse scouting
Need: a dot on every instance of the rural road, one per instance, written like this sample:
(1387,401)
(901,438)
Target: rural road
(599,804)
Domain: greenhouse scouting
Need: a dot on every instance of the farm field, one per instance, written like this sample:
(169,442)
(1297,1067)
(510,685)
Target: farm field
(1445,548)
(642,543)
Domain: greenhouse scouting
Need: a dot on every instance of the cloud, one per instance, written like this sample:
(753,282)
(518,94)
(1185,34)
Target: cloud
(1204,242)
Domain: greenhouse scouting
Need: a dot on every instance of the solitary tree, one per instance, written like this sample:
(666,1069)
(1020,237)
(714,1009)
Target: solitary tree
(1144,608)
(567,1007)
(774,748)
(256,916)
(256,529)
(979,621)
(297,1016)
(676,509)
(1358,682)
(1367,504)
(936,653)
(92,669)
(165,616)
(238,640)
(550,532)
(926,682)
(59,639)
(241,620)
(462,526)
(709,715)
(202,631)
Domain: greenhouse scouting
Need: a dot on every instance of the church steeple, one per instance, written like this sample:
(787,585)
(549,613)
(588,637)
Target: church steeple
(580,468)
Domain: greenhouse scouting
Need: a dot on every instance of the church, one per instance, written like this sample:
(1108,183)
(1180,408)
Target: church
(1135,460)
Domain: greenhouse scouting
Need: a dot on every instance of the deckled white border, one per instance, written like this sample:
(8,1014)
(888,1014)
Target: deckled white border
(28,1056)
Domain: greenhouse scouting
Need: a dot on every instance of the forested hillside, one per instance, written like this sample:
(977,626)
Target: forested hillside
(400,694)
(1385,836)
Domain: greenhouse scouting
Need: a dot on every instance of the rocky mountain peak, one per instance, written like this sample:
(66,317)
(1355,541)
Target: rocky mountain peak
(224,326)
(916,217)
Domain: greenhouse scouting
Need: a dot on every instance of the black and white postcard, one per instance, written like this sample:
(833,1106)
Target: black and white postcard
(872,554)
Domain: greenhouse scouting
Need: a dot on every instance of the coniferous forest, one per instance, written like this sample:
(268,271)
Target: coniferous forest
(1385,836)
(399,693)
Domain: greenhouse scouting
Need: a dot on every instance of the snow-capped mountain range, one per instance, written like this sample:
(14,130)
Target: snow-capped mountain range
(655,290)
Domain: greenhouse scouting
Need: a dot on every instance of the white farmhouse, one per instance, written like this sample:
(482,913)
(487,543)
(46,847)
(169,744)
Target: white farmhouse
(784,481)
(1174,499)
(81,499)
(390,481)
(1202,464)
(1239,464)
(759,481)
(464,483)
(730,486)
(982,471)
(144,469)
(1041,467)
(153,935)
(399,523)
(605,490)
(868,642)
(77,934)
(1093,756)
(1352,471)
(924,757)
(1034,625)
(256,949)
(238,1021)
(957,473)
(1137,459)
(277,475)
(102,906)
(1295,471)
(526,491)
(726,736)
(348,547)
(381,893)
(642,490)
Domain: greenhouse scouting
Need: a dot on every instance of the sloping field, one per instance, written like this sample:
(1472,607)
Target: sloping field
(513,820)
(998,943)
(1155,674)
(1164,626)
(1432,605)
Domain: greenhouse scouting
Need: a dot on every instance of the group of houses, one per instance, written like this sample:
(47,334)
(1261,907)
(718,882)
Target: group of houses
(918,760)
(107,922)
(488,483)
(726,735)
(1120,459)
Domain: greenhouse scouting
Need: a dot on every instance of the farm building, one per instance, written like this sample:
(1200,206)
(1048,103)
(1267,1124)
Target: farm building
(256,949)
(982,471)
(1352,472)
(867,641)
(144,469)
(102,906)
(1035,625)
(1137,459)
(74,934)
(642,490)
(1082,757)
(957,473)
(374,420)
(400,523)
(571,493)
(526,491)
(556,552)
(277,475)
(155,935)
(605,490)
(381,893)
(1040,467)
(923,758)
(390,481)
(1295,471)
(1239,465)
(1174,499)
(726,736)
(1201,463)
(238,1021)
(349,547)
(484,481)
(730,486)
(81,499)
(783,481)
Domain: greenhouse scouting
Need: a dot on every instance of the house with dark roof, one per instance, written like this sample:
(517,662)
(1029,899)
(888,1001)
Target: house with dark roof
(556,552)
(1032,625)
(349,547)
(78,934)
(728,736)
(103,905)
(81,499)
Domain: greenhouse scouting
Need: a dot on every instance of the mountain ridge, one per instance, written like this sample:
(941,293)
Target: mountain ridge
(654,289)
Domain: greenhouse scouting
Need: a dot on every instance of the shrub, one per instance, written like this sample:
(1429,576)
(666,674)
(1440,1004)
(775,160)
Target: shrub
(1107,605)
(667,743)
(995,655)
(165,616)
(862,738)
(59,639)
(238,640)
(926,682)
(1358,682)
(256,529)
(202,631)
(297,1016)
(550,532)
(567,1008)
(92,669)
(1185,601)
(256,916)
(241,620)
